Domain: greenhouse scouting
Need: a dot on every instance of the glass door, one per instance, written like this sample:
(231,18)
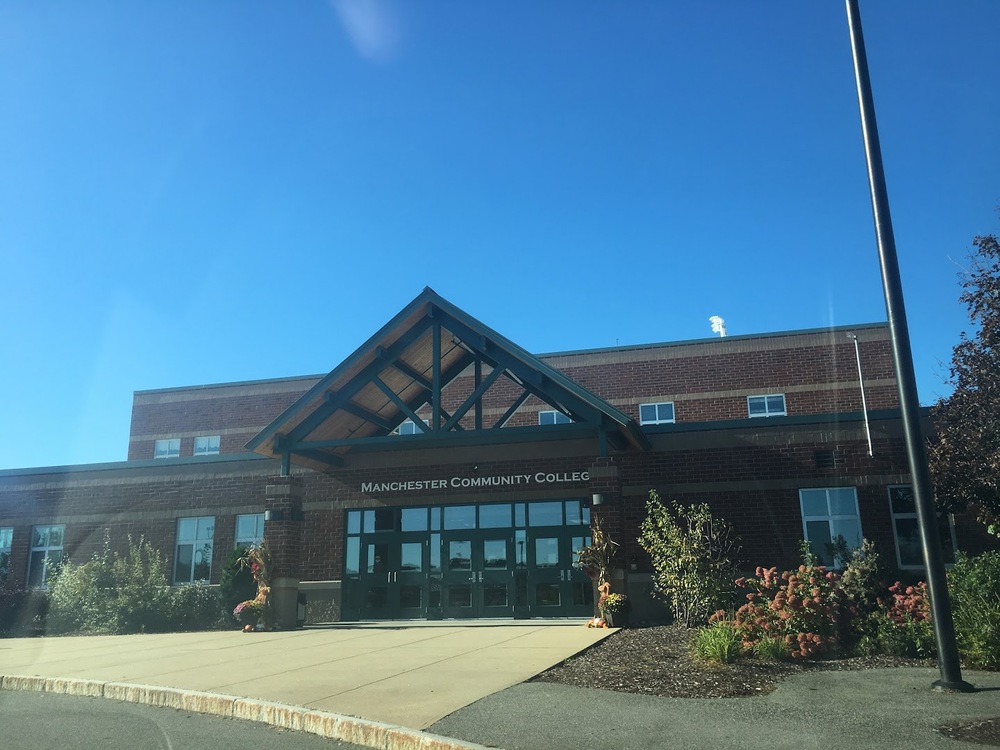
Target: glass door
(496,574)
(393,578)
(478,573)
(458,575)
(547,566)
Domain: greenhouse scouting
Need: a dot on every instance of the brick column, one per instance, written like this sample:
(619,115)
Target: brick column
(283,532)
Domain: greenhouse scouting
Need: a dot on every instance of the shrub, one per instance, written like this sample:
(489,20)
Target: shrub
(690,550)
(974,585)
(718,642)
(195,606)
(111,593)
(863,578)
(901,626)
(806,610)
(23,613)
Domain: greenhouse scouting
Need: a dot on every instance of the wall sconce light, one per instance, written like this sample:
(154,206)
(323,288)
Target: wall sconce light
(597,499)
(274,515)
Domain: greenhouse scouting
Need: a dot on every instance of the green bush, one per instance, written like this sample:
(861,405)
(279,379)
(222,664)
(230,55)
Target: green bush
(23,612)
(195,606)
(974,585)
(111,593)
(689,549)
(718,642)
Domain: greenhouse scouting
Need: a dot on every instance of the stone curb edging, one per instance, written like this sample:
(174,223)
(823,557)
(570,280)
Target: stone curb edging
(351,729)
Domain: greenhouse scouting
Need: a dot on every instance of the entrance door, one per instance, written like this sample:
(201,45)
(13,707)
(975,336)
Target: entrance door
(393,577)
(478,573)
(556,585)
(463,561)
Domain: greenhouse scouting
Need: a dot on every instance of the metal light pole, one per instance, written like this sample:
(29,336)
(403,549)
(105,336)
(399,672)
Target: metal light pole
(944,629)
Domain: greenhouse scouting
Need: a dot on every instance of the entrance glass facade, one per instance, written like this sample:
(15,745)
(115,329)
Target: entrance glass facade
(467,561)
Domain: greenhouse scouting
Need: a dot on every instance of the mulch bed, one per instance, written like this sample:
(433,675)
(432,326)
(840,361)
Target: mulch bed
(658,661)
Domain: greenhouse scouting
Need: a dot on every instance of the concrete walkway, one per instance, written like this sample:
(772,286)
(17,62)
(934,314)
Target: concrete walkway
(465,683)
(404,673)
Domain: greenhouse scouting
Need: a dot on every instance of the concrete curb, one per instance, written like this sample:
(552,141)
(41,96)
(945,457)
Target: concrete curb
(323,723)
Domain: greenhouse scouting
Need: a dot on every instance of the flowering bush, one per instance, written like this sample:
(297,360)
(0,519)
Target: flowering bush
(902,624)
(805,609)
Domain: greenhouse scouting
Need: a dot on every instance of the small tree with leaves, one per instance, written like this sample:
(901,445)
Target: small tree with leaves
(690,550)
(965,456)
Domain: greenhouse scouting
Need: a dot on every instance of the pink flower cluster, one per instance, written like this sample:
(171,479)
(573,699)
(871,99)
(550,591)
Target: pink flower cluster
(804,609)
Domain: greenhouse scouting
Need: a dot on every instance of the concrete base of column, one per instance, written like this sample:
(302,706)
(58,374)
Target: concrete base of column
(285,602)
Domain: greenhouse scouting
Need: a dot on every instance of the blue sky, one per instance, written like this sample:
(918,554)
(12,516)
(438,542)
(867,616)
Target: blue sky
(199,192)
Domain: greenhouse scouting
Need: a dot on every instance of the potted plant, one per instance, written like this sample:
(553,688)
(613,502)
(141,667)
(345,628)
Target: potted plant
(615,609)
(249,613)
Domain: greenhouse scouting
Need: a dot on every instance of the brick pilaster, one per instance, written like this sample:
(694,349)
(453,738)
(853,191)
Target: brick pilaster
(283,532)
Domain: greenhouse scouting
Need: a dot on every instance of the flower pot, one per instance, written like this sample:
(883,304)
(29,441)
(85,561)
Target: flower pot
(616,619)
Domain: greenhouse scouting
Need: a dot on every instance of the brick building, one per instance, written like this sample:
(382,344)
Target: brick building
(443,471)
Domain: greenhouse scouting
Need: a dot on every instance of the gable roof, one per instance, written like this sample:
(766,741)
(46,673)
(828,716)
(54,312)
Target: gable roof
(406,367)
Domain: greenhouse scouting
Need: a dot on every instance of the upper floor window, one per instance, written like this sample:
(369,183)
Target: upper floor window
(906,530)
(831,523)
(553,417)
(249,530)
(46,552)
(207,445)
(6,537)
(661,413)
(771,405)
(408,427)
(193,558)
(170,448)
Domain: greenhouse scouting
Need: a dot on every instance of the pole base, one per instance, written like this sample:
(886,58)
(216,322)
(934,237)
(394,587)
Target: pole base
(953,686)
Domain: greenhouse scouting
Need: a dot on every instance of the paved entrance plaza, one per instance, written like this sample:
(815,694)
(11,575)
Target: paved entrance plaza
(465,680)
(406,673)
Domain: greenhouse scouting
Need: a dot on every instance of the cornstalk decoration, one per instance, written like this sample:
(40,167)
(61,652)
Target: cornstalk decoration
(597,559)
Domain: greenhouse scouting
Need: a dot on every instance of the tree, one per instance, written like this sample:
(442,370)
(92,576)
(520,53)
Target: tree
(965,456)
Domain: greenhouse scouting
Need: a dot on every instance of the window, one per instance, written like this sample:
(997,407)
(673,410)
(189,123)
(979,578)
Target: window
(193,558)
(249,530)
(6,537)
(205,446)
(772,405)
(662,413)
(408,428)
(167,448)
(830,520)
(46,552)
(553,417)
(906,530)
